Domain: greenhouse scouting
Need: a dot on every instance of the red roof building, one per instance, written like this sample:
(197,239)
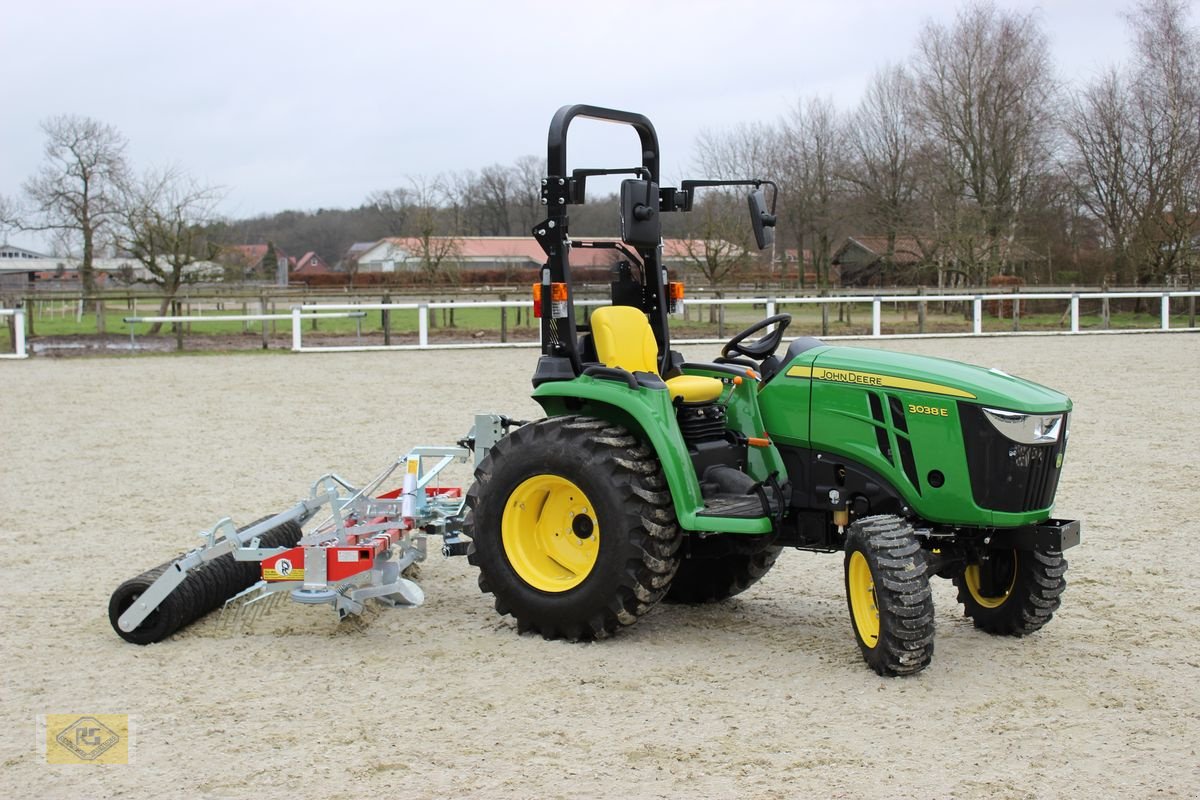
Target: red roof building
(308,264)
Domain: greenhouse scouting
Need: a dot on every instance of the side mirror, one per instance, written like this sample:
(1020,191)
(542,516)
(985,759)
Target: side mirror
(762,220)
(641,225)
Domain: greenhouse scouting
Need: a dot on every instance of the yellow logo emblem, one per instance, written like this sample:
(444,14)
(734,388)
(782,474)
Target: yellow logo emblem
(87,739)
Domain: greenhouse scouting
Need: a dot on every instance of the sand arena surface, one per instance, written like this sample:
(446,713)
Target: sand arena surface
(110,465)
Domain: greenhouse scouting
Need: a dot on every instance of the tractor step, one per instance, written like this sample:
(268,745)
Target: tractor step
(734,506)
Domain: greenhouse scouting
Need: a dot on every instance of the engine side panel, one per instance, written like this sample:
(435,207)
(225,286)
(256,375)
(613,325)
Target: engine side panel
(899,416)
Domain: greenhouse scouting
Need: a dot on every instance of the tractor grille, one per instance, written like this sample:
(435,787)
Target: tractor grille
(898,431)
(1006,476)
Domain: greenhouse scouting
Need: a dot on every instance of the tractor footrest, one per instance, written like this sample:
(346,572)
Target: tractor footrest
(736,506)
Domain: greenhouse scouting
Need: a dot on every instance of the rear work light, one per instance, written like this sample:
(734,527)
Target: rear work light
(558,300)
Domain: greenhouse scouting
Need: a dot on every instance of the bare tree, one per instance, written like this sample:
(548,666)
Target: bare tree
(812,155)
(75,194)
(494,193)
(527,174)
(437,247)
(716,244)
(1166,99)
(392,207)
(883,143)
(1134,153)
(1102,151)
(8,216)
(459,203)
(746,151)
(984,93)
(162,223)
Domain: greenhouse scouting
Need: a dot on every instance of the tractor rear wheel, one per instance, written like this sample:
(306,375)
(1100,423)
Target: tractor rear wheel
(711,578)
(572,527)
(1013,592)
(887,590)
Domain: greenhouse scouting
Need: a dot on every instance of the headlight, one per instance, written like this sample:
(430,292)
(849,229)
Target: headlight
(1026,428)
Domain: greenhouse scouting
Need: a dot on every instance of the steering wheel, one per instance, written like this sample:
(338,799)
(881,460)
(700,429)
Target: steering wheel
(761,349)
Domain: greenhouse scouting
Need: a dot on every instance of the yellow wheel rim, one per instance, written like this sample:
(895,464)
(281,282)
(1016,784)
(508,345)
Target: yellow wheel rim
(550,533)
(861,586)
(971,578)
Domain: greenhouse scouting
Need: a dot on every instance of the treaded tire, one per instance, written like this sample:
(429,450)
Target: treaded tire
(702,579)
(638,534)
(896,588)
(1037,585)
(204,589)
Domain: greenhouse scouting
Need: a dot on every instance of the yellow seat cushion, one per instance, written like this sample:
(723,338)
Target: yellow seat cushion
(624,338)
(695,388)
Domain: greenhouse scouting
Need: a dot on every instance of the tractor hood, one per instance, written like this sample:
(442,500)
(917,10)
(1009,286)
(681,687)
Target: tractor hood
(939,376)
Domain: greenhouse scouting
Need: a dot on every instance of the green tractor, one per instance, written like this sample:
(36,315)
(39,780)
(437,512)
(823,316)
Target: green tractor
(652,478)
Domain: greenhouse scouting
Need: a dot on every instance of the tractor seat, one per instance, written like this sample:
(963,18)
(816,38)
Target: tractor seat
(623,339)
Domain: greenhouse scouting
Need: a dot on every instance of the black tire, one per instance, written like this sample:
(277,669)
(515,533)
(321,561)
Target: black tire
(159,625)
(887,592)
(637,537)
(711,578)
(204,589)
(1035,580)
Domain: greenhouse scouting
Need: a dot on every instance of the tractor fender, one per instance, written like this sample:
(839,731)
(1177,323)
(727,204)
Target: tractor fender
(648,414)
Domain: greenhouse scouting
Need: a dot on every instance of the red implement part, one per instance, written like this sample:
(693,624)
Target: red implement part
(340,562)
(432,492)
(346,562)
(286,566)
(357,555)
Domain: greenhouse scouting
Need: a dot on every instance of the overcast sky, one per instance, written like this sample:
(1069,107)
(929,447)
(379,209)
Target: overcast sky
(306,105)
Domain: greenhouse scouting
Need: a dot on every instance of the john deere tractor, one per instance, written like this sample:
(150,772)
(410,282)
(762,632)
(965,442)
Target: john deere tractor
(654,478)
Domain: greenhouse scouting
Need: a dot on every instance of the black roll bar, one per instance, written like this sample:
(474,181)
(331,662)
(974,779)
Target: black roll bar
(556,143)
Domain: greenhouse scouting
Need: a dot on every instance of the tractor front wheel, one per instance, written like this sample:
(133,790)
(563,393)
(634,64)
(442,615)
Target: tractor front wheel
(887,590)
(572,526)
(1012,592)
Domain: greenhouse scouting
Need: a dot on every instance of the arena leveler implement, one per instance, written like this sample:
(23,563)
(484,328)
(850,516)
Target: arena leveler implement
(358,552)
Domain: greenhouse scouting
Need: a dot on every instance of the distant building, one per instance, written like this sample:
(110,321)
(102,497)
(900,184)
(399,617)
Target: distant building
(10,252)
(18,266)
(399,254)
(349,260)
(242,261)
(863,260)
(308,264)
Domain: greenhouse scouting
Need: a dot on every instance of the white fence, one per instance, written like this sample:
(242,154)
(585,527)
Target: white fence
(263,319)
(770,304)
(18,315)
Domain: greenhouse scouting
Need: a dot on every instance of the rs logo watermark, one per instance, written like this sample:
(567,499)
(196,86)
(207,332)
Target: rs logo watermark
(85,738)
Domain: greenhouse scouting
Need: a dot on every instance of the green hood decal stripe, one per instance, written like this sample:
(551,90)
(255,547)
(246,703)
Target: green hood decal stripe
(875,379)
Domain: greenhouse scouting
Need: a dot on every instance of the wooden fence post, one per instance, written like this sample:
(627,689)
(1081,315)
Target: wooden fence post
(385,320)
(176,306)
(504,319)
